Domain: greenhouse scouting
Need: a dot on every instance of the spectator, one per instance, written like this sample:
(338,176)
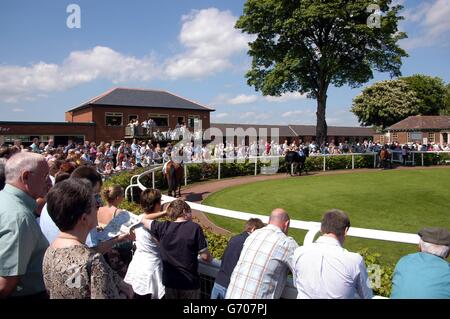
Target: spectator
(181,241)
(230,258)
(263,265)
(325,270)
(145,270)
(35,146)
(405,152)
(2,173)
(22,244)
(50,229)
(71,269)
(425,274)
(120,255)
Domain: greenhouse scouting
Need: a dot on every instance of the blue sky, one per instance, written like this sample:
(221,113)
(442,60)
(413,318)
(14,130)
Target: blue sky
(186,47)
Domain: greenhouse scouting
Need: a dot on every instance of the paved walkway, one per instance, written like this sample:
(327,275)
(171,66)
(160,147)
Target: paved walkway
(200,191)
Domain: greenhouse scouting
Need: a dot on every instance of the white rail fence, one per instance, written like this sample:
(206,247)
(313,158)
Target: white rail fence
(311,227)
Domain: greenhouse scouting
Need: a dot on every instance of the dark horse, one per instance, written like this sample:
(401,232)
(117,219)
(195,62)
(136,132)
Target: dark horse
(174,173)
(297,160)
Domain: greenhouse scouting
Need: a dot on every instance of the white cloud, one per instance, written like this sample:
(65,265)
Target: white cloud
(296,113)
(210,40)
(219,115)
(243,99)
(289,96)
(433,20)
(17,82)
(17,109)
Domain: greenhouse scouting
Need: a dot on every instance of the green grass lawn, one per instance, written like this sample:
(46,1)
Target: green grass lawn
(403,201)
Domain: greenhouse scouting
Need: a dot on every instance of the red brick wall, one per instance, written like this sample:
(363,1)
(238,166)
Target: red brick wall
(109,133)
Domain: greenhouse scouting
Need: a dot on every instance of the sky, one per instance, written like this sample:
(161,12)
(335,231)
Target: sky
(188,47)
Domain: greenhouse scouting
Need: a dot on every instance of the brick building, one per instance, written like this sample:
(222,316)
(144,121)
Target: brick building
(418,129)
(306,133)
(105,117)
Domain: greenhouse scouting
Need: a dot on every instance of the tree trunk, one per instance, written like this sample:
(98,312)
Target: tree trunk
(321,126)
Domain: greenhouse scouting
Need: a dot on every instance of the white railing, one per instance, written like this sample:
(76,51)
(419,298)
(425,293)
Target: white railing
(312,228)
(396,156)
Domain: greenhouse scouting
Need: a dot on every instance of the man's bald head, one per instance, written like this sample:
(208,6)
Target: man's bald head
(280,218)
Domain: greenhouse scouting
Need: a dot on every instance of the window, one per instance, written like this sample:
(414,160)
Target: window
(430,137)
(180,120)
(132,117)
(192,119)
(113,119)
(160,119)
(395,137)
(381,139)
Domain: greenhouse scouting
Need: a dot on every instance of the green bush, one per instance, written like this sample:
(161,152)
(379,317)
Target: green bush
(380,274)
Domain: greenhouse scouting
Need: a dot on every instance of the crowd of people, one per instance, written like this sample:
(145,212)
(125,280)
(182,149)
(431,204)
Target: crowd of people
(110,158)
(50,247)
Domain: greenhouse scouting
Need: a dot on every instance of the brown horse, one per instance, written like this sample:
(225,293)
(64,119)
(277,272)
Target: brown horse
(174,174)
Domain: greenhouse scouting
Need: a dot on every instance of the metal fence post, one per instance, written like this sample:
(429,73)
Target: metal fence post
(185,175)
(292,169)
(324,163)
(374,160)
(256,166)
(413,160)
(422,157)
(218,170)
(353,161)
(153,179)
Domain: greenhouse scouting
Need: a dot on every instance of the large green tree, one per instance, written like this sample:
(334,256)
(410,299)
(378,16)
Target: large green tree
(446,109)
(308,45)
(385,103)
(431,92)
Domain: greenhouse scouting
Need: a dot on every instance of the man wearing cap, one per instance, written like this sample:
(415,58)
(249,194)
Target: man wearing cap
(425,274)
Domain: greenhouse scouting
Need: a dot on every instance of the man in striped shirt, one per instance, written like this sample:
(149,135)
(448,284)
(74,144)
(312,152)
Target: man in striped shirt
(262,269)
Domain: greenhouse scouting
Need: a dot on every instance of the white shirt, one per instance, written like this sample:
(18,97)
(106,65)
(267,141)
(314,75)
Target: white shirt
(325,270)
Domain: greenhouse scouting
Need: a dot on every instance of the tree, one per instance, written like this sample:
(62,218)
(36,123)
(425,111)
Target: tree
(430,91)
(308,45)
(446,109)
(385,103)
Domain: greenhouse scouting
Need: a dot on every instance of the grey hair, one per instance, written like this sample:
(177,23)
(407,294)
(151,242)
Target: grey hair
(20,163)
(437,250)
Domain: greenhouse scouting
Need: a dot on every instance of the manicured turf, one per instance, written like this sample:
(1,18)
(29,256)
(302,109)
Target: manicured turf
(402,200)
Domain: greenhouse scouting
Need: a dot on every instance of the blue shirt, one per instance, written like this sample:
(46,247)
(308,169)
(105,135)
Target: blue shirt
(230,258)
(421,275)
(51,231)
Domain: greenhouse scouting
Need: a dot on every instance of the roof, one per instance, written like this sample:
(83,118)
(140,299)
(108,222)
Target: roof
(422,122)
(310,130)
(48,123)
(142,98)
(284,130)
(302,130)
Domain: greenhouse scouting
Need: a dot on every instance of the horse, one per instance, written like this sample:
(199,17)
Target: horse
(297,160)
(174,174)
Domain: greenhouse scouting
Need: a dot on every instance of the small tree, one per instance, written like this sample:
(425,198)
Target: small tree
(385,103)
(308,45)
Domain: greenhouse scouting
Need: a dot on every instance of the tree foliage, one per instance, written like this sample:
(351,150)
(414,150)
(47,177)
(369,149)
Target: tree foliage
(446,109)
(385,103)
(430,91)
(307,45)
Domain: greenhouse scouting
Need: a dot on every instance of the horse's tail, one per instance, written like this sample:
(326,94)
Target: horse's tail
(172,178)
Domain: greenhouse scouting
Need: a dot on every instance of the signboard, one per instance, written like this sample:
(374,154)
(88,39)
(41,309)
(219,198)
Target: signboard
(425,140)
(416,136)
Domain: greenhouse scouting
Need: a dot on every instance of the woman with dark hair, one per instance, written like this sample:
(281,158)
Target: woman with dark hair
(71,269)
(145,270)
